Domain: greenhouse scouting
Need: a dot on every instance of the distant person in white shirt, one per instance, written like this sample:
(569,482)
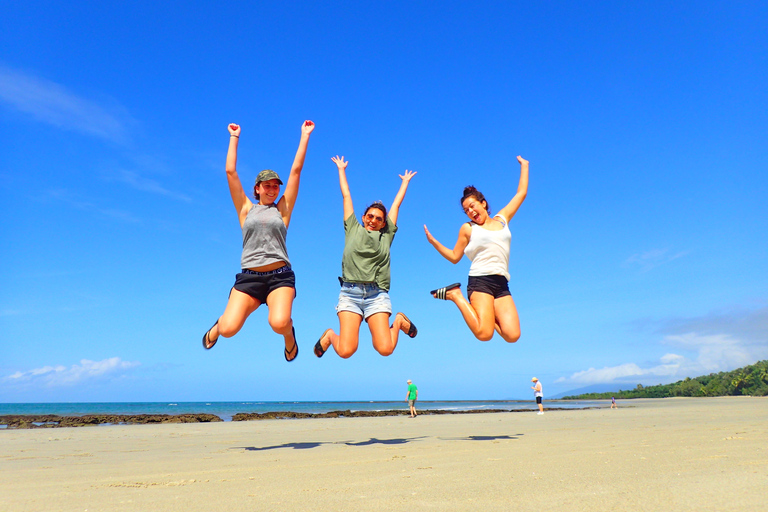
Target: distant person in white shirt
(538,393)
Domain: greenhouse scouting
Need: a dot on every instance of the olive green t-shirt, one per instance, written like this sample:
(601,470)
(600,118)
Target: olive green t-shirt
(366,253)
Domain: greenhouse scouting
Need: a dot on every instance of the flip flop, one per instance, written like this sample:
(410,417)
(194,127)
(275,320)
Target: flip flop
(440,292)
(319,350)
(412,330)
(207,345)
(295,344)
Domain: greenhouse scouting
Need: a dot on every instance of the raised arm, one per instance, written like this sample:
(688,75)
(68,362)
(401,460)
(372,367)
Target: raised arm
(349,209)
(240,200)
(395,208)
(288,201)
(522,190)
(454,256)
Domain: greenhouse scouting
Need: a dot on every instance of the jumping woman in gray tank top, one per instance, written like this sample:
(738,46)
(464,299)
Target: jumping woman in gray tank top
(266,271)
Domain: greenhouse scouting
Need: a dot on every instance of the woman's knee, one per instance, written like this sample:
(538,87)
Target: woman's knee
(345,352)
(511,335)
(280,323)
(228,329)
(385,351)
(484,334)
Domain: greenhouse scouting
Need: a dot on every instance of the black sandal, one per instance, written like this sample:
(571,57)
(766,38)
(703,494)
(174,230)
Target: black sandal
(440,292)
(295,345)
(206,340)
(319,350)
(412,330)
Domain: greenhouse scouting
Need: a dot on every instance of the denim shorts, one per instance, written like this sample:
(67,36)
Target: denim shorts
(364,299)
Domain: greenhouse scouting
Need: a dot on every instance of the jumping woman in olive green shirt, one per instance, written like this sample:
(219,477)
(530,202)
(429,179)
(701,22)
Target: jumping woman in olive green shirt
(365,276)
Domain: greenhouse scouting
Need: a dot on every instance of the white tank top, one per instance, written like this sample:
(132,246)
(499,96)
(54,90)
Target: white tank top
(489,250)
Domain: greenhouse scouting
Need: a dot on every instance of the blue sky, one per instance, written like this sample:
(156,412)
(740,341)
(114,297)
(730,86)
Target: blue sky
(639,256)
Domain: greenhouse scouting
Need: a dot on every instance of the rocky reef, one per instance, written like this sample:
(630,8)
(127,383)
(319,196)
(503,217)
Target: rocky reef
(279,415)
(52,420)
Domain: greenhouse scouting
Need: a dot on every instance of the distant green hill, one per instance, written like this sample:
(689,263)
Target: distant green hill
(750,380)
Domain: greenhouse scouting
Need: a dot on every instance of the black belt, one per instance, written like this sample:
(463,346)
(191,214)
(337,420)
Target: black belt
(280,270)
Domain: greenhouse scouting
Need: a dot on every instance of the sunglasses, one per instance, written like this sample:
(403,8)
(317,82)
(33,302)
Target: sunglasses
(370,216)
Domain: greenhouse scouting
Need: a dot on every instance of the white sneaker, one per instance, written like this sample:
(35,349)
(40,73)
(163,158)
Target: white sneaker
(539,413)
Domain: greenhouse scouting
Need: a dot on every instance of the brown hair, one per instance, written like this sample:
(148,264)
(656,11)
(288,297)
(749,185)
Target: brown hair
(379,206)
(471,191)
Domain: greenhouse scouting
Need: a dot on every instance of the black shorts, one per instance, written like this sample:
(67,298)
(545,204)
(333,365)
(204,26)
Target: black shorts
(538,399)
(260,284)
(498,286)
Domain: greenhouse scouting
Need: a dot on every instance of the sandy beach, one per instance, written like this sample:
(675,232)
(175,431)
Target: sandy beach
(665,454)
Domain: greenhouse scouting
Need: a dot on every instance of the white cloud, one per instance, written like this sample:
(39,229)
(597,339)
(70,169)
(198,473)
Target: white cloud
(53,104)
(652,259)
(148,185)
(715,343)
(607,374)
(65,196)
(86,371)
(669,369)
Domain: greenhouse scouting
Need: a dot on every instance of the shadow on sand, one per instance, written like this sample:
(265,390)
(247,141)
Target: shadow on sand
(371,441)
(481,438)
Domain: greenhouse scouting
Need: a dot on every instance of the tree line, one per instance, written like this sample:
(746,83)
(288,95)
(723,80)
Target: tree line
(750,380)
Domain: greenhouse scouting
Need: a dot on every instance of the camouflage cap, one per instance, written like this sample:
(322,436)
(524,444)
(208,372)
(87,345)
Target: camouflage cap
(266,175)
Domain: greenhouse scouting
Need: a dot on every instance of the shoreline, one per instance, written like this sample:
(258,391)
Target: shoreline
(36,421)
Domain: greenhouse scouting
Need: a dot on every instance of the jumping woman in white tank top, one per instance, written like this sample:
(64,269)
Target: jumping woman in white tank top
(266,275)
(485,241)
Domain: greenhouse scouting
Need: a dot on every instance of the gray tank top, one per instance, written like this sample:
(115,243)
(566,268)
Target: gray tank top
(264,235)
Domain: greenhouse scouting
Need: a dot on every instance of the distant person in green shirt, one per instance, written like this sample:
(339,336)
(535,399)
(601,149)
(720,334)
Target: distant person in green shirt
(365,276)
(411,397)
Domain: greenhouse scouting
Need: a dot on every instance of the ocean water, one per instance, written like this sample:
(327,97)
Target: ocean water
(225,410)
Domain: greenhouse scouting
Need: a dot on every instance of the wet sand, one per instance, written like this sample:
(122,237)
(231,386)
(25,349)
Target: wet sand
(665,454)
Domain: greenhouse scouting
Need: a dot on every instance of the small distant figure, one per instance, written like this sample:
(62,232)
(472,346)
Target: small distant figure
(538,393)
(613,403)
(411,397)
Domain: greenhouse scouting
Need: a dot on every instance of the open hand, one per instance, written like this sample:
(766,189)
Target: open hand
(407,176)
(430,238)
(522,160)
(340,163)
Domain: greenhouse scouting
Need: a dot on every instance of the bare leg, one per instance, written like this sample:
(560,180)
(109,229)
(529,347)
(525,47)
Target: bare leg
(345,343)
(478,313)
(508,322)
(280,303)
(239,306)
(385,337)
